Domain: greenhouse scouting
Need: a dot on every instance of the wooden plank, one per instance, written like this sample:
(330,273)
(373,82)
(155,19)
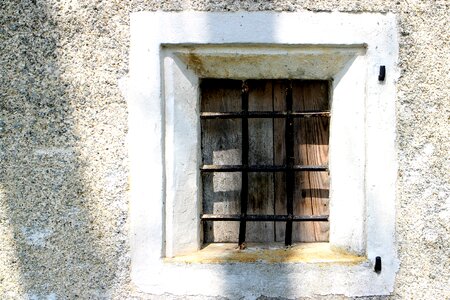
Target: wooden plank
(260,197)
(221,145)
(220,95)
(311,95)
(312,188)
(279,100)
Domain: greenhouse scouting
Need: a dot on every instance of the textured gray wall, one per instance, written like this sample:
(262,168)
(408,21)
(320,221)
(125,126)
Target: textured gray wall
(63,176)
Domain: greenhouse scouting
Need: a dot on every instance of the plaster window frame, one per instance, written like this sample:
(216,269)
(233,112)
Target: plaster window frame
(170,52)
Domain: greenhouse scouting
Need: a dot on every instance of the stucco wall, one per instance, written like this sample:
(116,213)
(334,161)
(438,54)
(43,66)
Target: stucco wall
(63,176)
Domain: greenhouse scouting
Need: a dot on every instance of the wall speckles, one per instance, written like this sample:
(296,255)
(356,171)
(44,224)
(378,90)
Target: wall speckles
(36,236)
(63,134)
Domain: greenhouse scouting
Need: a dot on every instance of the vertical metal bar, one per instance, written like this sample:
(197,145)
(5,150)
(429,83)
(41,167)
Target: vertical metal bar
(244,157)
(290,179)
(274,176)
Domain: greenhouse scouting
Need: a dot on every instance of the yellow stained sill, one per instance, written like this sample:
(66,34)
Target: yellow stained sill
(320,253)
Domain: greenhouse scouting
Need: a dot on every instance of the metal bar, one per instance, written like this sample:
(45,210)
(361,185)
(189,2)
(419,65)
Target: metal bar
(377,267)
(382,73)
(276,218)
(261,168)
(263,114)
(244,158)
(290,179)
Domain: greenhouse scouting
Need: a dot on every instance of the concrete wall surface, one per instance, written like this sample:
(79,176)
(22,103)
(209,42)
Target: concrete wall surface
(63,149)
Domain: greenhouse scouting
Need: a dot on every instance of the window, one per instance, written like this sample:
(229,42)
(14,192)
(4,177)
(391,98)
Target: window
(170,53)
(265,160)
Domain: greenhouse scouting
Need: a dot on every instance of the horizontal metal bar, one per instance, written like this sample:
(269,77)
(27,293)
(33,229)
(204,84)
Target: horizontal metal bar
(276,218)
(260,168)
(262,114)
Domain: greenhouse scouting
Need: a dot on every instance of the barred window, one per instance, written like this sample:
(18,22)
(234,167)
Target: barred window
(265,160)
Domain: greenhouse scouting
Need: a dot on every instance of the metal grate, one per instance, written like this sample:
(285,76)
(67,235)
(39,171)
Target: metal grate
(289,168)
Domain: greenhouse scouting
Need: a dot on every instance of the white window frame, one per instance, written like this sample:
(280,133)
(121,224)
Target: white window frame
(170,52)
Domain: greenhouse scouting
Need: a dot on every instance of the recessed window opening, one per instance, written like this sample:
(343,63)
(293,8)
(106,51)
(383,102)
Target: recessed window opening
(170,54)
(264,165)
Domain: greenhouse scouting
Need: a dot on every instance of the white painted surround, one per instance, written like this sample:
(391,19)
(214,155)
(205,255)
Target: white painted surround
(170,52)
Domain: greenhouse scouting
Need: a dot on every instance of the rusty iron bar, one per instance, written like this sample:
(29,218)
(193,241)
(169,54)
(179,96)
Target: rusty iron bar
(263,114)
(290,175)
(276,218)
(244,158)
(261,168)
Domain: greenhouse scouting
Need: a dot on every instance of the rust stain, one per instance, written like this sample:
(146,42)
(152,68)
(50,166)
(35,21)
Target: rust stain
(194,61)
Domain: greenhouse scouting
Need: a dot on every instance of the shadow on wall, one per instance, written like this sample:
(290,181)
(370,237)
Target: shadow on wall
(241,281)
(63,176)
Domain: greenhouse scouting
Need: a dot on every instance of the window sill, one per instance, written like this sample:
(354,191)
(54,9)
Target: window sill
(316,253)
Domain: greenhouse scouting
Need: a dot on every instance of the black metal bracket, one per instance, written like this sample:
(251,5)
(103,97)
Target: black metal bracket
(382,74)
(377,267)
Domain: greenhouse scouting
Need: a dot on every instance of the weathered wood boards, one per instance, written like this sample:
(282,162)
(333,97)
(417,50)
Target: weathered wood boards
(221,145)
